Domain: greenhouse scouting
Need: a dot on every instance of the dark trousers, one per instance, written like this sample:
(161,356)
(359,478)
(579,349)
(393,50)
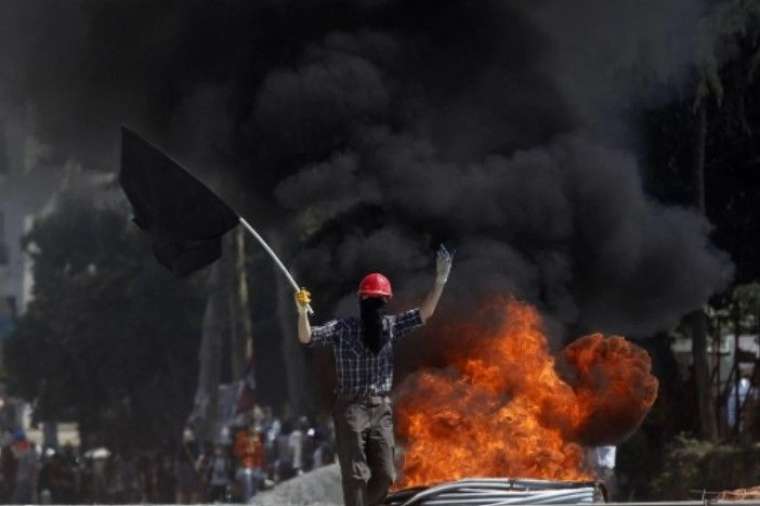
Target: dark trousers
(364,440)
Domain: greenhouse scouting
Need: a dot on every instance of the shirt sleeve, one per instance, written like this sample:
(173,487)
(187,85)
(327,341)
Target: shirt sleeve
(405,322)
(327,334)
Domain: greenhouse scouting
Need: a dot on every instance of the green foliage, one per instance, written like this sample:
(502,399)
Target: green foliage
(693,466)
(738,310)
(745,303)
(731,28)
(110,338)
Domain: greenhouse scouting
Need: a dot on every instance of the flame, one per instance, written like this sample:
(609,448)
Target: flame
(614,387)
(502,409)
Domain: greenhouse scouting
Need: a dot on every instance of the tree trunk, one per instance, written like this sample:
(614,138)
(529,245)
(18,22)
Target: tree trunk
(207,393)
(243,299)
(299,398)
(705,398)
(737,369)
(698,318)
(235,312)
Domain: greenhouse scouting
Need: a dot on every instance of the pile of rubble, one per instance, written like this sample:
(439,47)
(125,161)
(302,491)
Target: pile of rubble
(741,494)
(320,487)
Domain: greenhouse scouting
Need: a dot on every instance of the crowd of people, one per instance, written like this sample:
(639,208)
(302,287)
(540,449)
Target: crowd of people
(244,460)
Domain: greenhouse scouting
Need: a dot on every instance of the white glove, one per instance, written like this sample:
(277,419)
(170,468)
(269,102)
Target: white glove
(443,262)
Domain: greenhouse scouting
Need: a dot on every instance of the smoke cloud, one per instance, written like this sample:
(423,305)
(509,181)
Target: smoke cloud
(610,57)
(373,130)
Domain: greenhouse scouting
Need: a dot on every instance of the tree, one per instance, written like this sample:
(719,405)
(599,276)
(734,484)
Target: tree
(705,155)
(698,318)
(110,339)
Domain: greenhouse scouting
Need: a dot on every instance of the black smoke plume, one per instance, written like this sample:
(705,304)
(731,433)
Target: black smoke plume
(376,129)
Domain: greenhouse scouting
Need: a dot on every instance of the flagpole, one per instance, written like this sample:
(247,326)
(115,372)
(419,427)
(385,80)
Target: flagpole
(274,257)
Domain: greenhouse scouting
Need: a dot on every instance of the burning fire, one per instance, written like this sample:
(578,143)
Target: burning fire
(503,409)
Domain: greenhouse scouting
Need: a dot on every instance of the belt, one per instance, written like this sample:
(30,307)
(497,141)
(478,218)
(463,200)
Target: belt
(366,397)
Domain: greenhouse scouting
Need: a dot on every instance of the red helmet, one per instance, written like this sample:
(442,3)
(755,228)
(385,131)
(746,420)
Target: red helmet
(375,285)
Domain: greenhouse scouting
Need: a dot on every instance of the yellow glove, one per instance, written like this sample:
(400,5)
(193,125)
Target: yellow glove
(303,299)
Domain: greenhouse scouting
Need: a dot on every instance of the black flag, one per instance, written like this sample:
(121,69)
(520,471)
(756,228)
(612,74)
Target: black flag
(185,220)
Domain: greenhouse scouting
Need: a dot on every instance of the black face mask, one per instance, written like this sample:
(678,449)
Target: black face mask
(372,312)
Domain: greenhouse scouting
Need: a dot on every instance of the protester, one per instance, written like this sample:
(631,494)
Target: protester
(220,471)
(323,453)
(187,478)
(296,443)
(264,452)
(8,468)
(736,401)
(249,450)
(26,473)
(363,351)
(601,459)
(45,477)
(284,465)
(166,480)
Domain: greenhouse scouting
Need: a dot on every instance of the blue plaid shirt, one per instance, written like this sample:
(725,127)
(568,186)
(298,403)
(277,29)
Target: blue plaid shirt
(360,371)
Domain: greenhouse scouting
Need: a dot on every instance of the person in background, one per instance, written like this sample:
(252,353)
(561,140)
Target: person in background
(249,450)
(323,454)
(148,484)
(8,468)
(284,466)
(601,459)
(309,444)
(736,401)
(71,479)
(296,442)
(185,474)
(272,427)
(46,476)
(165,478)
(27,472)
(220,471)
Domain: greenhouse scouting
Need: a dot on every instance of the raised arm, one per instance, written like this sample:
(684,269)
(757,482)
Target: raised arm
(442,270)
